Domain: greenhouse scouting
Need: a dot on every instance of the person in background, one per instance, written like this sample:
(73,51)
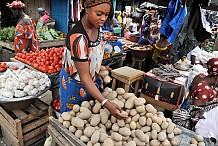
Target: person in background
(201,113)
(41,24)
(115,21)
(195,55)
(161,51)
(25,38)
(146,39)
(82,58)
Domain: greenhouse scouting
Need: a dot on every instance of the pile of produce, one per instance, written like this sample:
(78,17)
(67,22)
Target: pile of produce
(3,66)
(50,34)
(47,61)
(20,83)
(95,126)
(104,73)
(7,34)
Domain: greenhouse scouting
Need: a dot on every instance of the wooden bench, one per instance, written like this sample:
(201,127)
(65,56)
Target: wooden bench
(127,75)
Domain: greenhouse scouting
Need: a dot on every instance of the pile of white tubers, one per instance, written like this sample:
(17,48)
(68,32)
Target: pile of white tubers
(95,126)
(104,73)
(198,140)
(20,83)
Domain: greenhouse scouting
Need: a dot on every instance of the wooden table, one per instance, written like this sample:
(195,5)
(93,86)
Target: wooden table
(43,44)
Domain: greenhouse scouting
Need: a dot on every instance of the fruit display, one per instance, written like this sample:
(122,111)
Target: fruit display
(56,104)
(94,125)
(47,61)
(23,82)
(3,66)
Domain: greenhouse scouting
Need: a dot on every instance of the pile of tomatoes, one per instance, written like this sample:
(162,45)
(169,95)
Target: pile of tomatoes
(47,61)
(56,104)
(3,66)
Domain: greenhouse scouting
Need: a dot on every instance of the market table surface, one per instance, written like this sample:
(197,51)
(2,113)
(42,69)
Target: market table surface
(43,44)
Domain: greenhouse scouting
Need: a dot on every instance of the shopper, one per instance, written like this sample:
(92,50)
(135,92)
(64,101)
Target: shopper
(82,59)
(25,34)
(146,38)
(42,22)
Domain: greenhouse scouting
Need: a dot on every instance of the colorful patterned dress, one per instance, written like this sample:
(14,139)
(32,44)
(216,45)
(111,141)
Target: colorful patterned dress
(22,33)
(79,48)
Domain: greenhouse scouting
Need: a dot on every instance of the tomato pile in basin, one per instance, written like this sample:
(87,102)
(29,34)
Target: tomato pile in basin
(47,61)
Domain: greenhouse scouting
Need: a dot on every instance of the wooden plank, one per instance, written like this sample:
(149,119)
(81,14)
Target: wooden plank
(57,137)
(7,126)
(52,43)
(32,110)
(34,133)
(66,133)
(32,117)
(8,45)
(8,117)
(40,104)
(36,141)
(35,124)
(8,137)
(20,114)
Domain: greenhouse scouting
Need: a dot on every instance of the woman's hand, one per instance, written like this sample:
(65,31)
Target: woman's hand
(115,110)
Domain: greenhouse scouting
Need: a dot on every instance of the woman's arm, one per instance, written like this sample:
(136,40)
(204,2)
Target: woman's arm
(83,71)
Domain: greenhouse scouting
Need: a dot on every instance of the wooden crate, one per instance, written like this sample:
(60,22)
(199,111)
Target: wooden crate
(62,136)
(25,127)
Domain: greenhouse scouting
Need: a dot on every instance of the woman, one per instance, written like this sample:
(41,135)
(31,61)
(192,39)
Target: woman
(201,115)
(161,51)
(115,21)
(146,38)
(25,38)
(79,80)
(41,24)
(195,55)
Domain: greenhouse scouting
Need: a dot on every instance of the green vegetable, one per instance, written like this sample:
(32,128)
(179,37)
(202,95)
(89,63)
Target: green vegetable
(7,33)
(210,47)
(54,33)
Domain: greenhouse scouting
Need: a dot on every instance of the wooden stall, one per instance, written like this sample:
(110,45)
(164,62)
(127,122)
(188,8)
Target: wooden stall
(25,127)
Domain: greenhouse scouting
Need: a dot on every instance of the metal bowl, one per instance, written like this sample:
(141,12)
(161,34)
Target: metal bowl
(141,53)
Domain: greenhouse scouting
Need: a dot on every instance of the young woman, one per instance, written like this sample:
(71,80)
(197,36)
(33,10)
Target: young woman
(79,80)
(25,38)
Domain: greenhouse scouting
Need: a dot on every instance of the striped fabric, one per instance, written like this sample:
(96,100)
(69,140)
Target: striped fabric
(189,118)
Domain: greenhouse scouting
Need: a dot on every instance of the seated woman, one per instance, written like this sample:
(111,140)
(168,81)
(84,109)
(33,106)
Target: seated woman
(146,38)
(115,20)
(204,108)
(161,51)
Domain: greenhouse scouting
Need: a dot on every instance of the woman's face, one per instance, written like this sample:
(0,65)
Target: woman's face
(97,15)
(15,12)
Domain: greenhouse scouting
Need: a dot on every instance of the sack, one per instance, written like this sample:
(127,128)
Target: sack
(163,93)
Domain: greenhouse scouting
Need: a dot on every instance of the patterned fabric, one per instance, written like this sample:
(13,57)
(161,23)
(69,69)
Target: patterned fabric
(16,4)
(212,65)
(91,3)
(189,118)
(22,33)
(73,91)
(81,49)
(41,26)
(203,91)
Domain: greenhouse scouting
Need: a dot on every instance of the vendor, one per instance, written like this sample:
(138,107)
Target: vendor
(79,80)
(195,55)
(146,38)
(25,38)
(201,114)
(161,51)
(42,22)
